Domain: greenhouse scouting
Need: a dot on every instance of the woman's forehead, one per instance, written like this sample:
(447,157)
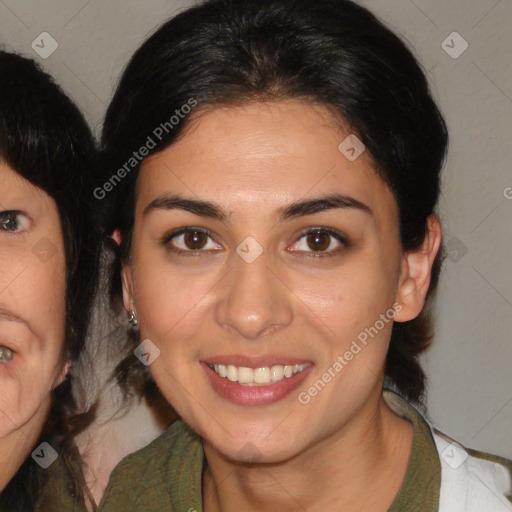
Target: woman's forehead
(285,149)
(16,192)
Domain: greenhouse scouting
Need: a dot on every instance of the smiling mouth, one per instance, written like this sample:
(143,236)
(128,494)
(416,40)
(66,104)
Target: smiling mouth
(262,376)
(6,354)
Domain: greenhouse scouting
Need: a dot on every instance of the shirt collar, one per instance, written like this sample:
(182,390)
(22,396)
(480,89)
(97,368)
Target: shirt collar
(422,482)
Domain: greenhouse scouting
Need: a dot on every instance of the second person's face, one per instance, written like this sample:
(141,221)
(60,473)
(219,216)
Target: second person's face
(32,304)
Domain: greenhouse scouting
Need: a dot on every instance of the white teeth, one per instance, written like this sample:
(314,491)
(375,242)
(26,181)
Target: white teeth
(263,375)
(6,354)
(232,373)
(245,375)
(276,373)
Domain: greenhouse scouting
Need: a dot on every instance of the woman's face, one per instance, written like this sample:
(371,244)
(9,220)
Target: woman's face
(32,304)
(259,245)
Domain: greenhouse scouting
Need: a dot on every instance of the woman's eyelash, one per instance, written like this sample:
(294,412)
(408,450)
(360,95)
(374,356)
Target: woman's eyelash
(12,221)
(324,231)
(185,231)
(166,240)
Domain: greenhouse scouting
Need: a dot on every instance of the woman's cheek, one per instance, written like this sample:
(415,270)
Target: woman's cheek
(163,296)
(23,393)
(337,300)
(48,290)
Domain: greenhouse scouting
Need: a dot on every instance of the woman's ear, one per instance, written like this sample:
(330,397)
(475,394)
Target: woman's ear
(68,365)
(126,277)
(416,273)
(127,280)
(117,237)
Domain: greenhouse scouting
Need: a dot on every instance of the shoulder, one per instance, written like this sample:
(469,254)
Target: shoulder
(177,439)
(57,486)
(472,480)
(149,478)
(465,480)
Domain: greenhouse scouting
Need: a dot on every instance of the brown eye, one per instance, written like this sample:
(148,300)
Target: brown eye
(195,240)
(191,240)
(318,241)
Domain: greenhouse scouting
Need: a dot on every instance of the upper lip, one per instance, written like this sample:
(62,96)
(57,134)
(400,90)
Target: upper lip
(254,361)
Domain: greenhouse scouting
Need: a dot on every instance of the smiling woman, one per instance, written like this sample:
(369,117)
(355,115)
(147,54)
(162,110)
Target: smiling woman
(282,242)
(48,251)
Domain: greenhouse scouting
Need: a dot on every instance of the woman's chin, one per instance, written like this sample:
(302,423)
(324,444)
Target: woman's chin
(253,449)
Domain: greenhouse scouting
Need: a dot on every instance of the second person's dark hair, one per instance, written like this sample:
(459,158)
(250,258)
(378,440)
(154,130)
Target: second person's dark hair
(45,139)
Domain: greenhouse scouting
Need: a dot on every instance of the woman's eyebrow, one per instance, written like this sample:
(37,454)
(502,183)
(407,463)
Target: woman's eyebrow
(9,315)
(195,206)
(296,209)
(320,204)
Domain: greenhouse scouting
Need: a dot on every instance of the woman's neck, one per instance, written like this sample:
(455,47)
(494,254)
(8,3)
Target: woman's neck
(360,468)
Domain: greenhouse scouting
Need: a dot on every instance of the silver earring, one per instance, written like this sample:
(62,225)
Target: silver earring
(133,319)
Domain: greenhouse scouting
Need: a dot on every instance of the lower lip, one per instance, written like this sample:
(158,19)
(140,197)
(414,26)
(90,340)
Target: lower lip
(254,395)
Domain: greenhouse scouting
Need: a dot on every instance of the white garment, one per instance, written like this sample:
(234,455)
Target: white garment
(470,484)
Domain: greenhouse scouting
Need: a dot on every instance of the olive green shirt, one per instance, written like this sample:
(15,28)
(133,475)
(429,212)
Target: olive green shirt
(166,475)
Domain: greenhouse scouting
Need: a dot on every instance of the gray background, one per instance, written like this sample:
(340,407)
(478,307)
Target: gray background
(470,393)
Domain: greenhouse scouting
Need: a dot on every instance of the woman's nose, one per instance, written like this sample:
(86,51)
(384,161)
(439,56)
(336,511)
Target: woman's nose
(254,301)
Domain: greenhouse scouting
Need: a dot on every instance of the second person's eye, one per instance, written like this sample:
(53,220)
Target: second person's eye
(13,221)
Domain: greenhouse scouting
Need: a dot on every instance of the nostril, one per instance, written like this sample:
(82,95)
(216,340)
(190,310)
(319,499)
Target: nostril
(271,329)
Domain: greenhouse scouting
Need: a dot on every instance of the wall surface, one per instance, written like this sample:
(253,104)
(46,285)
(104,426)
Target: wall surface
(469,366)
